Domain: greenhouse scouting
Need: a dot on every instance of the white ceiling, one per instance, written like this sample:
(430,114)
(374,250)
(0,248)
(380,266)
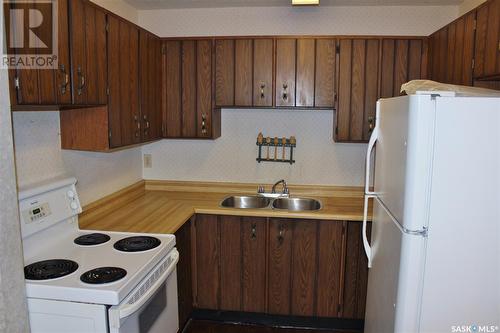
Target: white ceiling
(169,4)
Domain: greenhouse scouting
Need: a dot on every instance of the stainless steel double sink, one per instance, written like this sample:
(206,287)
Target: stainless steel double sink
(261,202)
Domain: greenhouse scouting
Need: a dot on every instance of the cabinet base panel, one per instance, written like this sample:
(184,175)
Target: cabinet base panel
(232,321)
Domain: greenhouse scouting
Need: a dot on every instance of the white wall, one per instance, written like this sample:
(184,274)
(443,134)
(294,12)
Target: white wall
(319,159)
(39,156)
(13,310)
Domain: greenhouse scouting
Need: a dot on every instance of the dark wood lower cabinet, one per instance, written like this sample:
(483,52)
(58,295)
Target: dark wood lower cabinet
(272,266)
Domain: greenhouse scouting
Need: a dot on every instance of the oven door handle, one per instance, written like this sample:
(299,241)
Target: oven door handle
(131,307)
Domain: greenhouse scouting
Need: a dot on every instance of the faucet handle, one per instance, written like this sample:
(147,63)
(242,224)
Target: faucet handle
(261,189)
(286,191)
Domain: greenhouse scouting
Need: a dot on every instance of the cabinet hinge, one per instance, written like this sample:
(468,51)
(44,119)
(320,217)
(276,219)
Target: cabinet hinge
(336,130)
(339,309)
(473,63)
(343,229)
(474,25)
(337,49)
(107,26)
(163,129)
(109,134)
(107,91)
(16,82)
(163,49)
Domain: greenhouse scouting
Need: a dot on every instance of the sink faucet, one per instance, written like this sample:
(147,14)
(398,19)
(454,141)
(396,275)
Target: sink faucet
(285,188)
(284,193)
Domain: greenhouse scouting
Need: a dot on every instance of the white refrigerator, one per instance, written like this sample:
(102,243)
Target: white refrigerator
(434,252)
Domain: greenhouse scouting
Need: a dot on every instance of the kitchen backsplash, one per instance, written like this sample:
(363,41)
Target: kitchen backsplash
(232,157)
(37,143)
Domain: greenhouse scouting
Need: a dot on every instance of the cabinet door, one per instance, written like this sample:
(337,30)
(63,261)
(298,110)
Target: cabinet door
(253,283)
(45,86)
(231,263)
(243,72)
(306,51)
(207,262)
(88,45)
(357,90)
(286,52)
(224,72)
(487,63)
(150,85)
(172,92)
(324,94)
(355,274)
(188,88)
(263,72)
(438,44)
(280,266)
(206,118)
(123,102)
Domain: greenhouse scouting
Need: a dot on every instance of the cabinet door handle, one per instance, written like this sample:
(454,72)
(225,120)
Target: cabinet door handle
(371,123)
(65,83)
(81,80)
(204,130)
(262,95)
(281,234)
(254,231)
(285,91)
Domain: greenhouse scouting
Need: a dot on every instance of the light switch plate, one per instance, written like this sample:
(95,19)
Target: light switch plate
(148,161)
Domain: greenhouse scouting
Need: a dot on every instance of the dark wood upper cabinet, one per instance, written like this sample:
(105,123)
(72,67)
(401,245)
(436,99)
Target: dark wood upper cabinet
(188,90)
(88,53)
(123,73)
(46,86)
(263,72)
(286,52)
(224,72)
(451,52)
(487,51)
(370,69)
(243,69)
(306,51)
(324,90)
(150,86)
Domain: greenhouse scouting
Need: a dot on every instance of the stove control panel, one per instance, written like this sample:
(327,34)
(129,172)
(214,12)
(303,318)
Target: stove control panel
(44,206)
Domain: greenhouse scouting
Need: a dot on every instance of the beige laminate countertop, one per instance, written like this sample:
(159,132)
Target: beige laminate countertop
(140,208)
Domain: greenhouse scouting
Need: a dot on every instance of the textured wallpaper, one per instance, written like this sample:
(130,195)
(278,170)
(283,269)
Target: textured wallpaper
(355,20)
(39,157)
(13,311)
(232,157)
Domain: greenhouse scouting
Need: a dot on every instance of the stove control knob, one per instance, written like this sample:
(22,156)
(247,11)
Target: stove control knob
(73,205)
(70,194)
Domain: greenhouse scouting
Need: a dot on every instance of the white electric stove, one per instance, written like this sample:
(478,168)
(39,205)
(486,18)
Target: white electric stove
(93,281)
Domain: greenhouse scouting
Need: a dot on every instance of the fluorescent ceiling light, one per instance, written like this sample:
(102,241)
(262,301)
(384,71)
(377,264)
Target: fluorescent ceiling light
(305,2)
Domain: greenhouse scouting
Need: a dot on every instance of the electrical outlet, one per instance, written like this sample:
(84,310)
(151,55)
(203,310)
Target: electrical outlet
(148,161)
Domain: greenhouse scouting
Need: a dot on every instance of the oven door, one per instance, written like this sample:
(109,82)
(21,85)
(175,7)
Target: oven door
(152,306)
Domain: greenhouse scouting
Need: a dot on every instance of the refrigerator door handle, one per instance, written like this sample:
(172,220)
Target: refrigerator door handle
(371,145)
(366,244)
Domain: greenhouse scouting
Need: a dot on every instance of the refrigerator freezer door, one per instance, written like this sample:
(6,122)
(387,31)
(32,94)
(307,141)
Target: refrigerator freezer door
(403,157)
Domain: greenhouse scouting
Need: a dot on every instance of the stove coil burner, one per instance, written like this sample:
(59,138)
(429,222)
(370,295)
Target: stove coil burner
(103,275)
(137,244)
(49,269)
(92,239)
